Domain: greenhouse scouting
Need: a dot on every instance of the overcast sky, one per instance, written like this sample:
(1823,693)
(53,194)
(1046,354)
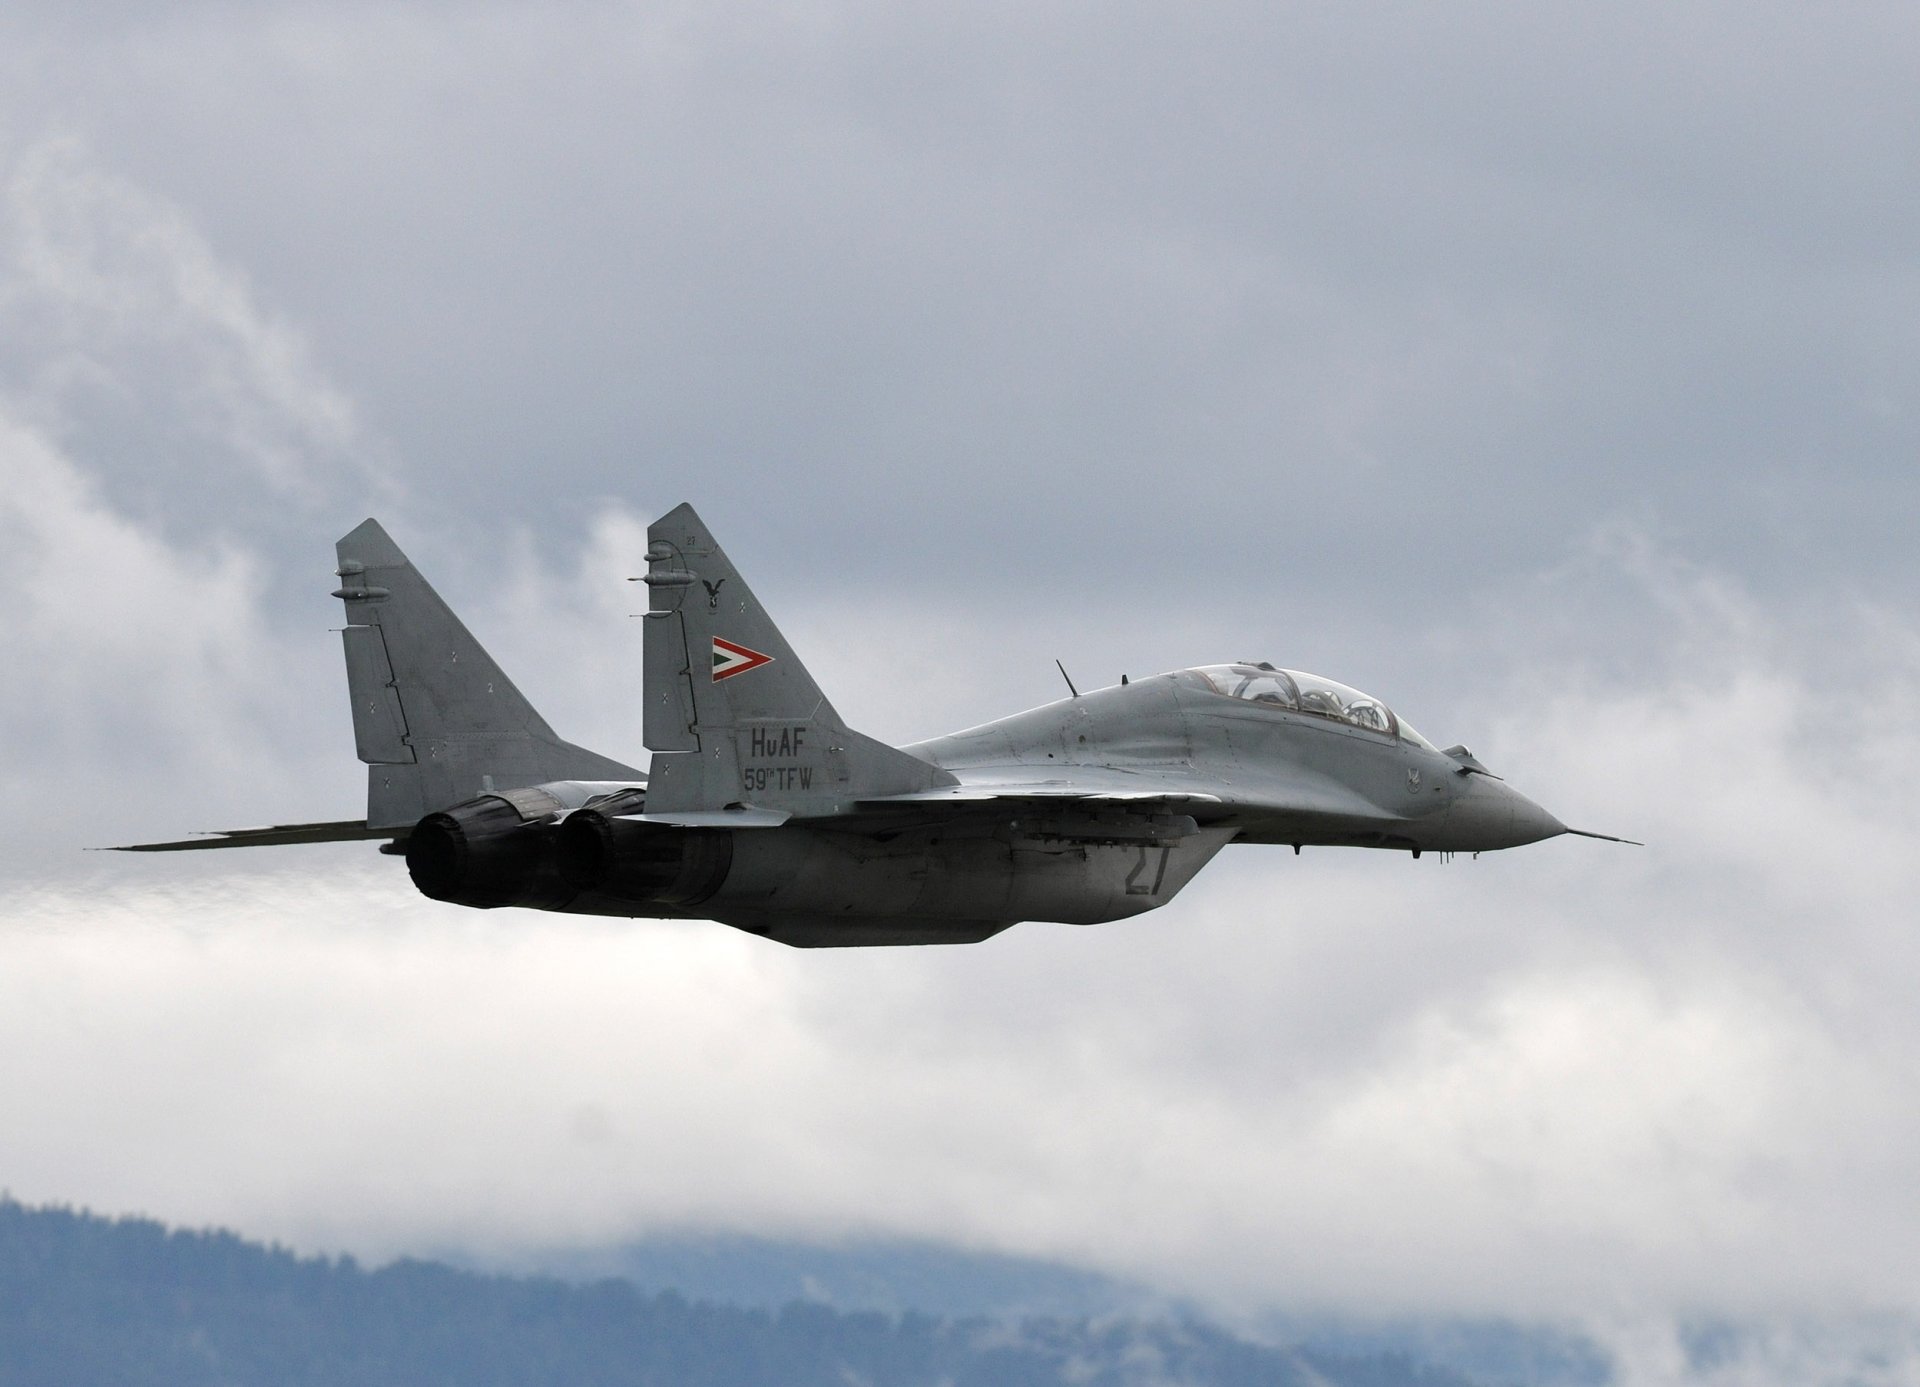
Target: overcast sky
(1551,375)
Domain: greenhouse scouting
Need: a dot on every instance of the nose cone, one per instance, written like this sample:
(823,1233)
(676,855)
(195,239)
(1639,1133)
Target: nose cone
(1489,814)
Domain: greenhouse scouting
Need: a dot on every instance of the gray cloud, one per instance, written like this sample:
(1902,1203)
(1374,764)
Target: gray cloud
(1379,285)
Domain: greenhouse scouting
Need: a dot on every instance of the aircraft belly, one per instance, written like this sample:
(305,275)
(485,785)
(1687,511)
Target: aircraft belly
(1091,883)
(958,874)
(954,880)
(851,932)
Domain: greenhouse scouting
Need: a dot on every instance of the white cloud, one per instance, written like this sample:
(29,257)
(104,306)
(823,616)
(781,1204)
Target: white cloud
(118,629)
(121,315)
(160,436)
(1657,1081)
(1859,1351)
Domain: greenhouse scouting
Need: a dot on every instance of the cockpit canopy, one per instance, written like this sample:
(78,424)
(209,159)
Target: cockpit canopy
(1296,691)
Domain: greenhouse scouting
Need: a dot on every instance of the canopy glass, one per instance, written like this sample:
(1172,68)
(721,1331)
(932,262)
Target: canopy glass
(1295,691)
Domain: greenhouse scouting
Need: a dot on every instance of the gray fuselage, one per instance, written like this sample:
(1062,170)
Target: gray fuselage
(1280,775)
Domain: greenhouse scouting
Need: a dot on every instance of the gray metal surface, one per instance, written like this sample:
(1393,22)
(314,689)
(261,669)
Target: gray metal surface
(434,718)
(733,715)
(765,811)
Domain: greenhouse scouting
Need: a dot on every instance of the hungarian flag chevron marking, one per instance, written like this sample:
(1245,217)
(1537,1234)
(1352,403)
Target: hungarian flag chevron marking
(730,659)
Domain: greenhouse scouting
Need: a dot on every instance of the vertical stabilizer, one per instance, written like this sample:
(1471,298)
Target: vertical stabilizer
(731,711)
(434,718)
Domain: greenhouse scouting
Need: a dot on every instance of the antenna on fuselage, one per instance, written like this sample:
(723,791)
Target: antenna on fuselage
(1068,677)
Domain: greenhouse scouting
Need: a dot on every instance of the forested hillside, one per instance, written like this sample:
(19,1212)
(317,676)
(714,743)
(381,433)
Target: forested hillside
(89,1300)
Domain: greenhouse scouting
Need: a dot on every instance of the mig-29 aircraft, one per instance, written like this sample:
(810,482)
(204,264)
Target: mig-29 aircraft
(763,810)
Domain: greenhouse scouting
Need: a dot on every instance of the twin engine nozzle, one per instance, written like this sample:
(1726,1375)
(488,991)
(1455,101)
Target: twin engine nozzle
(486,853)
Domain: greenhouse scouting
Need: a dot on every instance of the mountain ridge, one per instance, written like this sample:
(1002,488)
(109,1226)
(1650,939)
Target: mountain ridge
(88,1299)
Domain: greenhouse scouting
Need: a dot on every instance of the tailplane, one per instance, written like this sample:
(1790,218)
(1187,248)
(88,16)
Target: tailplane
(730,711)
(434,718)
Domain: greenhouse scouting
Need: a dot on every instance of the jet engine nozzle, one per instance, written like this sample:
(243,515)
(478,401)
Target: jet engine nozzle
(647,864)
(485,853)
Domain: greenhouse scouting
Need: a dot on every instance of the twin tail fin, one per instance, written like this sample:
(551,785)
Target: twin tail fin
(731,713)
(434,718)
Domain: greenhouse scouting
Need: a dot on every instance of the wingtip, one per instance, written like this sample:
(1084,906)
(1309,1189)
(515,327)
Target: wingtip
(370,545)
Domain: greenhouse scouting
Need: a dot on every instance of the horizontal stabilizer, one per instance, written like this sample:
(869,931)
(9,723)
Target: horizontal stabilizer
(343,831)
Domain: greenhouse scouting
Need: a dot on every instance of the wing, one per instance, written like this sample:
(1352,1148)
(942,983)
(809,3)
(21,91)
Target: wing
(1017,792)
(341,831)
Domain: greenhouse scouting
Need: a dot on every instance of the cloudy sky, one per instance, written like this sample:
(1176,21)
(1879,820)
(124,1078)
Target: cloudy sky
(1551,375)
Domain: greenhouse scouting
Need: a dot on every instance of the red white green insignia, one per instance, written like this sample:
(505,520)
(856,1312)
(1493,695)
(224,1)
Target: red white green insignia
(730,659)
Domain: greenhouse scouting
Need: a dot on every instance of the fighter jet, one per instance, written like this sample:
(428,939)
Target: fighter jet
(763,810)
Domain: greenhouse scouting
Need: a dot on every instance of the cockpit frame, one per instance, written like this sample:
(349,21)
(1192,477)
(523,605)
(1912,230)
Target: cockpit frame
(1265,685)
